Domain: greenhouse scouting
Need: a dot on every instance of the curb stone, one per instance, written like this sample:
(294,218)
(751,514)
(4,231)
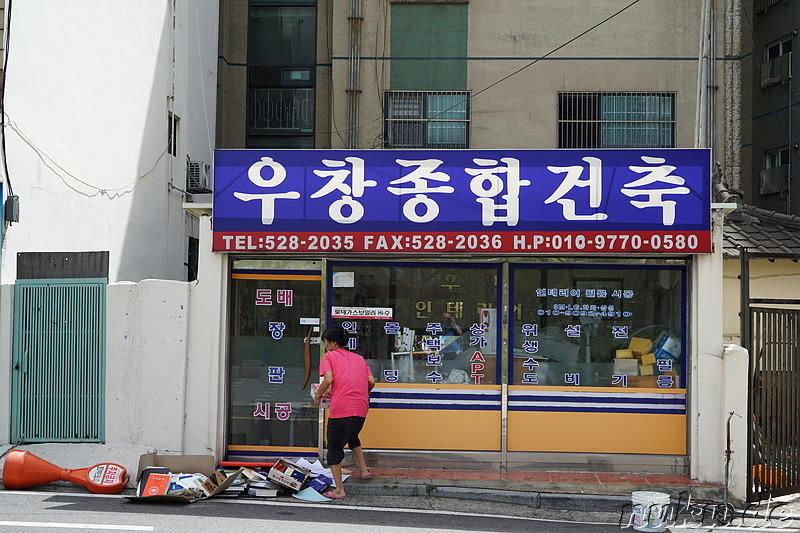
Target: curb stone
(536,500)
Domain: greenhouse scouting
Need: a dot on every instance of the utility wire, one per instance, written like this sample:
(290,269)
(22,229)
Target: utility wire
(49,162)
(3,98)
(551,52)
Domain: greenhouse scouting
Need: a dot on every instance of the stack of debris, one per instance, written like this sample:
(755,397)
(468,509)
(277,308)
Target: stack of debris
(189,478)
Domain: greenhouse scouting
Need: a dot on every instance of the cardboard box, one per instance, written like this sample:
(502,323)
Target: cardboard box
(643,381)
(647,370)
(325,402)
(215,483)
(624,354)
(647,359)
(640,346)
(288,475)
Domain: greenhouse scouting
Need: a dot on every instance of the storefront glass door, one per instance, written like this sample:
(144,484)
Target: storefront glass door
(273,359)
(429,333)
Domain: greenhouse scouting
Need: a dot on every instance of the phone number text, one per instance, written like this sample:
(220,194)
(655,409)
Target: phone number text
(471,242)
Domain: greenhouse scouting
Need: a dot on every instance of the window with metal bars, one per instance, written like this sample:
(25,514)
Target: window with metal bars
(281,53)
(616,120)
(426,119)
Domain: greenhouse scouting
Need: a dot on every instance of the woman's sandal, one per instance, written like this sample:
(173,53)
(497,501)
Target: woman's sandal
(330,494)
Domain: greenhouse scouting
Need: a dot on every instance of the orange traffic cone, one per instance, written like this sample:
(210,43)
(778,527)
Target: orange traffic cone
(23,470)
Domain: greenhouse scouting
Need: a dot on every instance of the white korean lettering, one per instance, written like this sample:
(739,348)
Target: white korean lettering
(267,200)
(486,196)
(420,188)
(662,173)
(337,182)
(572,180)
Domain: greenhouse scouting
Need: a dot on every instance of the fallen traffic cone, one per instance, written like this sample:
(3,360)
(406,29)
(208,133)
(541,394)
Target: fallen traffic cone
(23,470)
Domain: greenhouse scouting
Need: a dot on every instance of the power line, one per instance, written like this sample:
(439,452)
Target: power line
(3,99)
(551,52)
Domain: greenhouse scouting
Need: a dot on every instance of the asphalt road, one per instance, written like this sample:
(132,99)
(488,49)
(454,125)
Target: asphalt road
(67,512)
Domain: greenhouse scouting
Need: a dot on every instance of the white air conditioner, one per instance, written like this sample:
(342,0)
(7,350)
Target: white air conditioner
(777,70)
(775,179)
(198,177)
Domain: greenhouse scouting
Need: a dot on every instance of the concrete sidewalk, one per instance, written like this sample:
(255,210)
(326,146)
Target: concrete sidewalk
(577,491)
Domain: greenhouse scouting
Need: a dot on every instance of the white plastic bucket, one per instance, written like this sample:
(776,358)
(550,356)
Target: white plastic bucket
(650,511)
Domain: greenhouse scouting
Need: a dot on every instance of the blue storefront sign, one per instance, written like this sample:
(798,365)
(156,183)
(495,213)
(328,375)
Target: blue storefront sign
(476,201)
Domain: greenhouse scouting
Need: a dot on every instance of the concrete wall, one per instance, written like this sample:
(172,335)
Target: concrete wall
(87,112)
(163,372)
(146,359)
(718,375)
(707,383)
(207,388)
(651,47)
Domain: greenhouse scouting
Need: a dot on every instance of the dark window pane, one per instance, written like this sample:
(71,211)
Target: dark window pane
(281,36)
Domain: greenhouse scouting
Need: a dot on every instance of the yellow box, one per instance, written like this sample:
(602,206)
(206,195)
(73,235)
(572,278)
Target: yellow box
(647,370)
(624,354)
(648,359)
(643,381)
(640,346)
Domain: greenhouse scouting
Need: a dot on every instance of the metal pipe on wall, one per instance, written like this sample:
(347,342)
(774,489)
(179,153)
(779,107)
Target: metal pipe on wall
(354,73)
(699,118)
(705,114)
(711,82)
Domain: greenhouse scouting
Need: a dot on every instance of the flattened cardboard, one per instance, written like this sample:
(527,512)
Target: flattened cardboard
(189,464)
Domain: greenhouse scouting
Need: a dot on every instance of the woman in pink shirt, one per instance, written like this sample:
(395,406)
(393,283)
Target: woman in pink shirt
(350,380)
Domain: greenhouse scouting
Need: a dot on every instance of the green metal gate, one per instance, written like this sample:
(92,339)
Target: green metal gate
(58,361)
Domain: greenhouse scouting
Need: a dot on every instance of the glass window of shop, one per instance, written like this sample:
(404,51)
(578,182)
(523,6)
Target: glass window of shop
(433,323)
(273,360)
(619,326)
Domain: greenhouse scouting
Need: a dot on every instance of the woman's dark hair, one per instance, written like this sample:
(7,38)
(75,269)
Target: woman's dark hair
(335,334)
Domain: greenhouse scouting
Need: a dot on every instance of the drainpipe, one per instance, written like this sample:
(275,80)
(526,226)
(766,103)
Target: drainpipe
(706,80)
(354,73)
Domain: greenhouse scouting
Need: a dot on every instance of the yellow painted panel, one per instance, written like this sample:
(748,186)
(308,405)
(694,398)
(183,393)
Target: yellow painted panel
(597,432)
(615,390)
(431,429)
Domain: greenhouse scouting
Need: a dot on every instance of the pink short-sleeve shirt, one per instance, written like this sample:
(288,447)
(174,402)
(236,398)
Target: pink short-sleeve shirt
(350,388)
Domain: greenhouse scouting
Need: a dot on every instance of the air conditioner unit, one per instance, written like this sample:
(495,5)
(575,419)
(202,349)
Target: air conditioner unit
(775,179)
(198,177)
(777,70)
